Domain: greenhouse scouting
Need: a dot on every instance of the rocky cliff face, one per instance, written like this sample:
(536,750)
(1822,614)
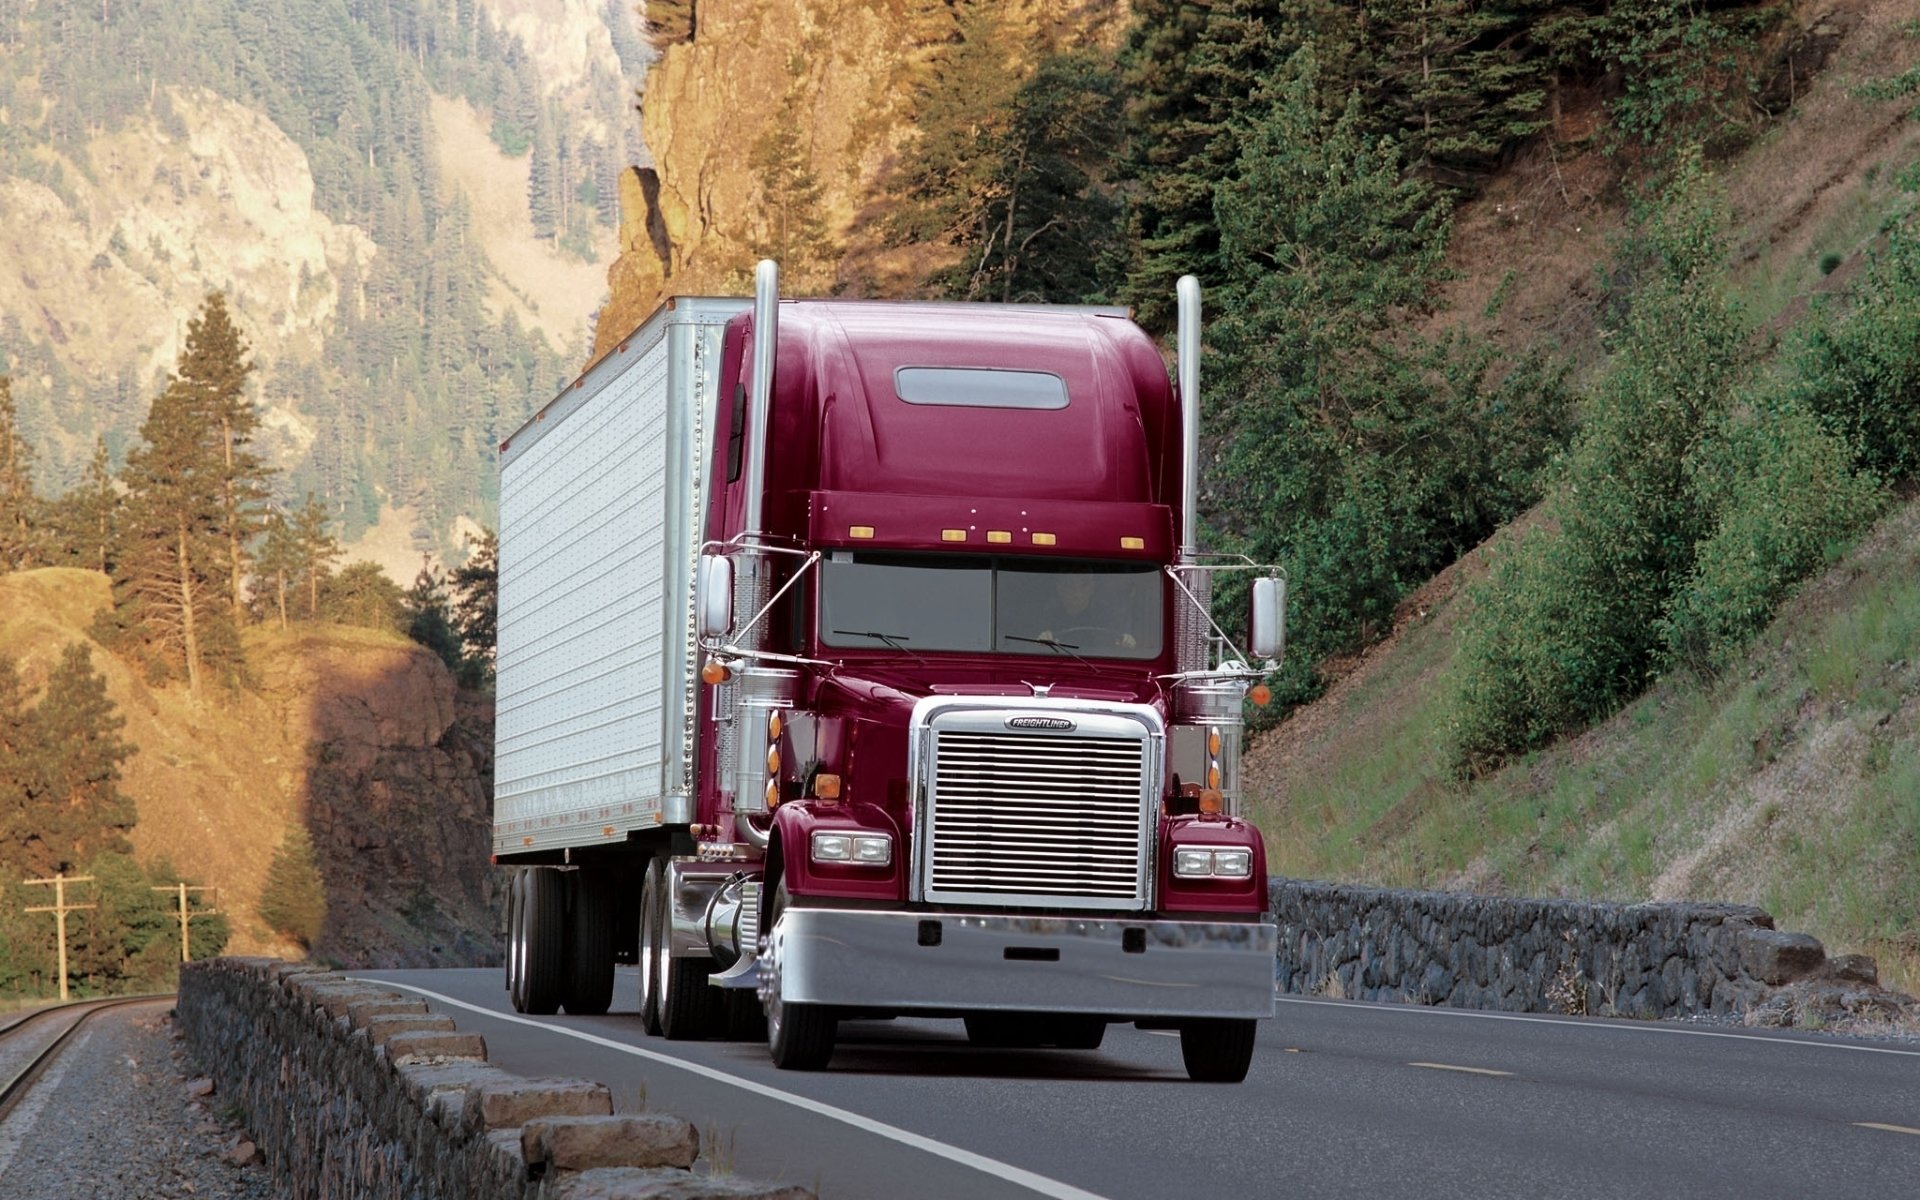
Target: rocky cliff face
(841,74)
(359,735)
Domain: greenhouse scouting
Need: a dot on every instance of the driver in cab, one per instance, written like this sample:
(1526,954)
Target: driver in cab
(1079,617)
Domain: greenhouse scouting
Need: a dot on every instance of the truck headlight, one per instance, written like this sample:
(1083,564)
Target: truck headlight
(865,849)
(1200,862)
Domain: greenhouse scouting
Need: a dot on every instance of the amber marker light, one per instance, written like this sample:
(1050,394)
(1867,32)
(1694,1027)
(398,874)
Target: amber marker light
(1212,803)
(1133,543)
(826,786)
(773,793)
(1261,695)
(773,760)
(999,536)
(860,532)
(774,724)
(1213,777)
(715,673)
(1043,539)
(1213,741)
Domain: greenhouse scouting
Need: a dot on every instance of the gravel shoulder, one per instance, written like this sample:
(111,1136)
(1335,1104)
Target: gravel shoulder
(125,1115)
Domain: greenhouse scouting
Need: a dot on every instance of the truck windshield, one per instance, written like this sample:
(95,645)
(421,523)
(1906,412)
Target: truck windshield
(922,602)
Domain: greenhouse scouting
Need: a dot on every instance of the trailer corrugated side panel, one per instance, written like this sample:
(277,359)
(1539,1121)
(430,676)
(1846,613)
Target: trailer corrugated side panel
(601,504)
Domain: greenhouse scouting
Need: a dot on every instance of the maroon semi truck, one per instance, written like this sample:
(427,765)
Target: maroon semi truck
(855,661)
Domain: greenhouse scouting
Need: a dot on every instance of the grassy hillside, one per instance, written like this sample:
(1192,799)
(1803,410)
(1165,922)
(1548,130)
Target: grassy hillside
(1791,782)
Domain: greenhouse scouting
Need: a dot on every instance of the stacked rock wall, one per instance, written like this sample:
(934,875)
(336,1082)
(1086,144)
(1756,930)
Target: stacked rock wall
(355,1092)
(1493,952)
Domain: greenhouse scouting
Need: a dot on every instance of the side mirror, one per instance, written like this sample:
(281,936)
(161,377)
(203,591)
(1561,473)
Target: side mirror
(1267,618)
(713,595)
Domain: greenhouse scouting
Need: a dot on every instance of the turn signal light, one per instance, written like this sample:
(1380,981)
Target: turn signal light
(774,724)
(826,786)
(773,760)
(1213,777)
(1213,741)
(1212,803)
(773,794)
(715,673)
(1261,695)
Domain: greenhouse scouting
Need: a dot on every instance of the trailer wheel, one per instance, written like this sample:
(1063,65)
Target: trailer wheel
(1217,1051)
(543,940)
(516,940)
(800,1036)
(652,893)
(589,983)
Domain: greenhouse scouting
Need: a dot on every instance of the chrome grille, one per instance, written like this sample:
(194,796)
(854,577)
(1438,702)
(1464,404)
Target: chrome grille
(1037,815)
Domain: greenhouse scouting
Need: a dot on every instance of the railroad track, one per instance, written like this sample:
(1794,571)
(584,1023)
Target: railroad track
(22,1079)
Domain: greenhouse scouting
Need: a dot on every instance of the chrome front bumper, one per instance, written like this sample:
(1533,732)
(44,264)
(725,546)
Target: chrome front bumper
(882,960)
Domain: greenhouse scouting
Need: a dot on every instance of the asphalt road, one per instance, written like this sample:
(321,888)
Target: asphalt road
(1344,1099)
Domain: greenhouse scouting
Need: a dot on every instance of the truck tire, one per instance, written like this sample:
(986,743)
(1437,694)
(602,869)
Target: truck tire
(1217,1051)
(689,1005)
(516,940)
(589,985)
(544,940)
(652,893)
(799,1036)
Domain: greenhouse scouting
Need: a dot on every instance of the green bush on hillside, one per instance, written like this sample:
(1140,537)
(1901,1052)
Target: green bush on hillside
(1689,506)
(1861,371)
(1783,493)
(1567,627)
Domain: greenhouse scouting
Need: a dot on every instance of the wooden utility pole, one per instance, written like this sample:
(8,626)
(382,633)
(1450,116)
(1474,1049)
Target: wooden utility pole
(185,914)
(60,908)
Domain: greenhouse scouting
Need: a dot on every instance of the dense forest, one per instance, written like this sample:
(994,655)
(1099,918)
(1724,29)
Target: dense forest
(419,380)
(1304,159)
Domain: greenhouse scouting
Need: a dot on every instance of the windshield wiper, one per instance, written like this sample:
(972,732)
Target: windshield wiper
(1065,647)
(894,641)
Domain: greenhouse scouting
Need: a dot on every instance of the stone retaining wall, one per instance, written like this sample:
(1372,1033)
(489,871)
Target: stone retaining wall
(1492,952)
(355,1092)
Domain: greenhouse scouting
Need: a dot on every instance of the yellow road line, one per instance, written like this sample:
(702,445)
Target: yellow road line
(1466,1070)
(1887,1128)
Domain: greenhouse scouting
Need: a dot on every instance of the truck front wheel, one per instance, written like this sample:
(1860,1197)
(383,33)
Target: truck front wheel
(800,1036)
(1217,1051)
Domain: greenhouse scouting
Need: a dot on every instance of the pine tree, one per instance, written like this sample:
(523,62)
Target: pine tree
(793,228)
(213,371)
(429,621)
(20,757)
(476,600)
(280,560)
(294,901)
(317,549)
(169,581)
(84,521)
(76,809)
(17,502)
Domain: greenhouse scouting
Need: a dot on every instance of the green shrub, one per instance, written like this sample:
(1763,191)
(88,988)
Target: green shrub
(1860,370)
(1783,492)
(1567,627)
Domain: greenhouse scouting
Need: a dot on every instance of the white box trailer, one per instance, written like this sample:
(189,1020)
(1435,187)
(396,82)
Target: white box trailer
(601,508)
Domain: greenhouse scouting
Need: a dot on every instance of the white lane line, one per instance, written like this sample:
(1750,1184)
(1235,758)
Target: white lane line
(1887,1128)
(1620,1026)
(1463,1070)
(966,1158)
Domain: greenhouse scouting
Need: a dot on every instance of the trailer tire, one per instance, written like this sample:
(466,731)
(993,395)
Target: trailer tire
(652,892)
(1218,1051)
(544,941)
(589,984)
(799,1036)
(516,940)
